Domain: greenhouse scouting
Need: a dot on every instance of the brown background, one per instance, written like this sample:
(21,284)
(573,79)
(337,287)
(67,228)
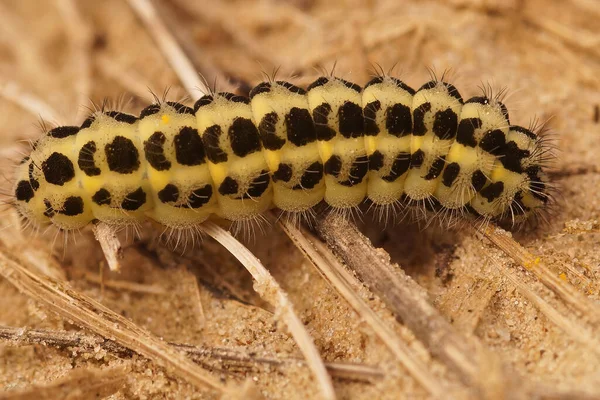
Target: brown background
(547,53)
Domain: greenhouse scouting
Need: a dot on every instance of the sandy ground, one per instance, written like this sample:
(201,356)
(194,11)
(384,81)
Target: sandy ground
(547,53)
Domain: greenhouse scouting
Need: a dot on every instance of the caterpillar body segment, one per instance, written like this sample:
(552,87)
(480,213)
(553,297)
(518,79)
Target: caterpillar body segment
(336,107)
(289,139)
(177,170)
(518,184)
(387,104)
(288,148)
(436,108)
(235,158)
(480,139)
(112,168)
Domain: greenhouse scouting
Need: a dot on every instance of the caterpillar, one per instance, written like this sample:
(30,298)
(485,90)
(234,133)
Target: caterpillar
(288,148)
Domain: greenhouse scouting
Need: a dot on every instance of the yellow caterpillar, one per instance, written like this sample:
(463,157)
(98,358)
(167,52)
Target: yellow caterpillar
(288,148)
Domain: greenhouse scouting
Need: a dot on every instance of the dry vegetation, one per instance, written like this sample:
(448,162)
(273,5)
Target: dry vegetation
(459,314)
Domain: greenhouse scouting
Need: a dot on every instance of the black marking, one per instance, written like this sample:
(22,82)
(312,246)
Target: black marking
(134,200)
(398,120)
(24,160)
(525,131)
(203,101)
(85,160)
(374,81)
(62,132)
(284,173)
(419,128)
(88,121)
(229,186)
(493,142)
(399,167)
(268,134)
(333,166)
(49,211)
(416,159)
(300,127)
(211,138)
(376,161)
(121,117)
(492,191)
(479,100)
(24,191)
(102,197)
(58,169)
(243,137)
(466,131)
(234,98)
(512,157)
(180,108)
(258,186)
(122,156)
(321,117)
(311,176)
(350,85)
(370,117)
(150,110)
(35,185)
(428,85)
(72,206)
(453,91)
(319,82)
(155,152)
(436,168)
(199,197)
(504,112)
(445,124)
(351,120)
(478,180)
(292,88)
(396,81)
(358,170)
(169,193)
(450,174)
(263,87)
(188,147)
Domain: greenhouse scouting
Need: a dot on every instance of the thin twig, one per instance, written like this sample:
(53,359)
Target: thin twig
(537,266)
(346,284)
(266,286)
(88,313)
(228,358)
(111,246)
(476,366)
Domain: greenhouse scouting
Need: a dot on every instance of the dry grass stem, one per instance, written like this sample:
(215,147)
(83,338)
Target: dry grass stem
(111,246)
(476,366)
(266,286)
(124,285)
(80,384)
(537,266)
(228,358)
(346,284)
(88,313)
